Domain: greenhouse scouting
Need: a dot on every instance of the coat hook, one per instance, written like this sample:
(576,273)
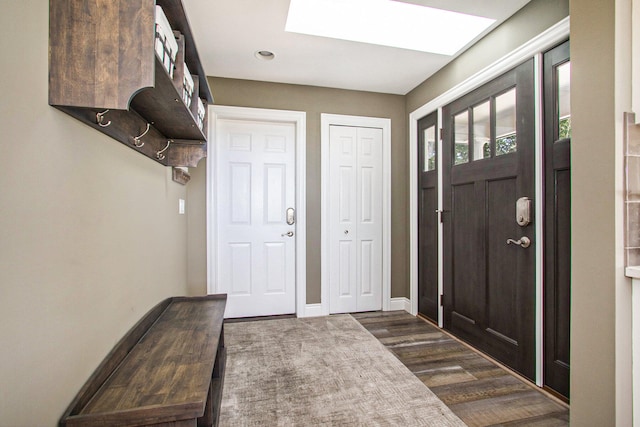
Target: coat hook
(159,154)
(136,139)
(100,119)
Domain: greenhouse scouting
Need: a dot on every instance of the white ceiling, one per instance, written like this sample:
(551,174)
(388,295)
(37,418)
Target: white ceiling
(229,32)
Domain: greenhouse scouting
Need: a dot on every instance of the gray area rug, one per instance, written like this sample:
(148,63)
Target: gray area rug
(322,371)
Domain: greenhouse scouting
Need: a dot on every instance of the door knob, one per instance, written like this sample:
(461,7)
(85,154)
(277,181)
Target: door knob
(287,234)
(524,242)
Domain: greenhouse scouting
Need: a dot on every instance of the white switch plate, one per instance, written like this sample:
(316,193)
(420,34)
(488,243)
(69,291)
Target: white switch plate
(181,206)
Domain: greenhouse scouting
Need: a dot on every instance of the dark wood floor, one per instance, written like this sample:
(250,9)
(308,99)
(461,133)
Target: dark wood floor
(476,389)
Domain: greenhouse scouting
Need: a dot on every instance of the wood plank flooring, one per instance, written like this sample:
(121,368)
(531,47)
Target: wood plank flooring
(476,389)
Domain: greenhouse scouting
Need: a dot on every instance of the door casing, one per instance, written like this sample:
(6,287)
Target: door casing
(298,118)
(326,121)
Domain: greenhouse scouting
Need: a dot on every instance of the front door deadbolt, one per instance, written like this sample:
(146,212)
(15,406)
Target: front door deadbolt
(291,216)
(523,211)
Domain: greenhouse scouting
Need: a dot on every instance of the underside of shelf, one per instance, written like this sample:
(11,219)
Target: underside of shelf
(126,125)
(163,107)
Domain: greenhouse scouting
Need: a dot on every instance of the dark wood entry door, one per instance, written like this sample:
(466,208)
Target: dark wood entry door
(557,230)
(428,295)
(488,164)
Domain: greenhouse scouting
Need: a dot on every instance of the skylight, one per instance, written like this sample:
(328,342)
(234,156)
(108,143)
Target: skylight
(386,23)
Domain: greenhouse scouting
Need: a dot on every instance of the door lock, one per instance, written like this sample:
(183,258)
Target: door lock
(524,242)
(523,211)
(287,234)
(291,216)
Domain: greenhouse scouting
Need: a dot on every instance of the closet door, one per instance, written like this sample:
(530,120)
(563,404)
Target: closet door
(355,228)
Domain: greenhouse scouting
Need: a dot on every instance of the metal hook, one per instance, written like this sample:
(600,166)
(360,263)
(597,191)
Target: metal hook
(100,119)
(159,154)
(136,139)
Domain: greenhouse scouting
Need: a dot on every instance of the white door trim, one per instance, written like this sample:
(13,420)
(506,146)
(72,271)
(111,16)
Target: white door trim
(299,119)
(555,34)
(327,120)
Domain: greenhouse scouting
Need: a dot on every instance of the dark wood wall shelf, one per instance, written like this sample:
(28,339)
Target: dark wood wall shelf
(104,71)
(167,370)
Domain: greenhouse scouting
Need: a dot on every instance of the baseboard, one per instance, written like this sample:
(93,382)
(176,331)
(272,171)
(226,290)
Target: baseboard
(312,310)
(400,303)
(395,304)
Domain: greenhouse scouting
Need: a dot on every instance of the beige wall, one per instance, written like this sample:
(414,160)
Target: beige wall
(601,300)
(197,230)
(314,101)
(534,18)
(89,230)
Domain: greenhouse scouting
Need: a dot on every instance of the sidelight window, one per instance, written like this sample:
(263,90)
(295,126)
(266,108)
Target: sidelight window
(429,163)
(563,77)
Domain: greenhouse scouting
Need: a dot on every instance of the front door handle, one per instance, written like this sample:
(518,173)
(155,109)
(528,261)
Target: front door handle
(287,234)
(524,242)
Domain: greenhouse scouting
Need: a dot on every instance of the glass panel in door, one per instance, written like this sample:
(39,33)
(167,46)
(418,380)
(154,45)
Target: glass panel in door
(506,138)
(482,131)
(461,146)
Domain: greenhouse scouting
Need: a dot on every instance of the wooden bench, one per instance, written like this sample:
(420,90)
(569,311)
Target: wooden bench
(168,370)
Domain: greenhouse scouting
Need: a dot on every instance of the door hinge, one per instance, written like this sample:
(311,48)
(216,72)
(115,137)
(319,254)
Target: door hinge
(442,300)
(440,134)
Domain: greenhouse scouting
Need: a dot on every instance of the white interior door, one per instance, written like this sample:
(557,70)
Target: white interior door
(355,228)
(255,186)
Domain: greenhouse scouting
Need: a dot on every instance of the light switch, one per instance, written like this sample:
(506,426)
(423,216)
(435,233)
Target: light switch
(181,206)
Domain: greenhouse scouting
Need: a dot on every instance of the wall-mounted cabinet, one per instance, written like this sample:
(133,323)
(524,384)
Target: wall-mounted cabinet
(107,70)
